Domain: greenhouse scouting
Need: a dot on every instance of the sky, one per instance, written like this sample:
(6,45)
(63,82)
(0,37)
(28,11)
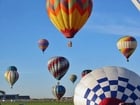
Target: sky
(24,22)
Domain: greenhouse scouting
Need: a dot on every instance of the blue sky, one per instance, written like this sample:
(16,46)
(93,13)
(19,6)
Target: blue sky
(24,22)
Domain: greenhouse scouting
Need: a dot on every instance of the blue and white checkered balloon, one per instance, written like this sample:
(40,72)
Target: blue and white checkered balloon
(109,82)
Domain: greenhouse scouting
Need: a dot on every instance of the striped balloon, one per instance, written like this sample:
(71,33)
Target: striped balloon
(68,16)
(58,91)
(11,75)
(58,66)
(127,46)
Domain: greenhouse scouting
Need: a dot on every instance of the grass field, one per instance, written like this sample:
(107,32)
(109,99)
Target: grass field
(38,103)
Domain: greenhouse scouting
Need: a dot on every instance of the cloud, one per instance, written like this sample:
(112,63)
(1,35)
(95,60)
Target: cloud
(114,29)
(115,26)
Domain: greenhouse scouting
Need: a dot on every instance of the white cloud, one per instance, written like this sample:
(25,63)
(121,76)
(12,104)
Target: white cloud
(117,26)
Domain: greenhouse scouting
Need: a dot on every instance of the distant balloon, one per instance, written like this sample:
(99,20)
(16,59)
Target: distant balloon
(127,46)
(58,91)
(73,78)
(69,16)
(136,3)
(58,66)
(2,92)
(43,44)
(84,72)
(11,75)
(109,85)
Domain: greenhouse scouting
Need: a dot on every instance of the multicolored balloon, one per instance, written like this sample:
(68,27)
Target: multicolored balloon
(127,46)
(85,72)
(58,66)
(58,91)
(136,3)
(73,78)
(43,44)
(109,85)
(11,75)
(69,16)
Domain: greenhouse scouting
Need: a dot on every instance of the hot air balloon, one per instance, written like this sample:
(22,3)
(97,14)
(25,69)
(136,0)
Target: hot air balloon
(58,91)
(136,3)
(127,46)
(69,16)
(11,75)
(43,44)
(84,72)
(108,85)
(73,78)
(58,66)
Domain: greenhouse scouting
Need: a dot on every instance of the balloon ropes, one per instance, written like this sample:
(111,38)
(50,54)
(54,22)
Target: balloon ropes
(11,75)
(110,85)
(127,45)
(69,16)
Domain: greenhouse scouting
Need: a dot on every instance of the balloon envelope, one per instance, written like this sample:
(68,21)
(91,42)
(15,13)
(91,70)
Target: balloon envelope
(108,86)
(43,44)
(11,75)
(84,72)
(58,66)
(127,46)
(58,91)
(68,16)
(73,78)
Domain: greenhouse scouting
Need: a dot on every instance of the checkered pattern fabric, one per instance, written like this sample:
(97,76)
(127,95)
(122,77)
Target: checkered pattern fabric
(121,88)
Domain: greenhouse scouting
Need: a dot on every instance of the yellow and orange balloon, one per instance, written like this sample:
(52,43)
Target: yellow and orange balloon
(127,46)
(68,16)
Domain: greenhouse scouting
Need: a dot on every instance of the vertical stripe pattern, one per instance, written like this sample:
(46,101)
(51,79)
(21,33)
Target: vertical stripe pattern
(11,76)
(58,66)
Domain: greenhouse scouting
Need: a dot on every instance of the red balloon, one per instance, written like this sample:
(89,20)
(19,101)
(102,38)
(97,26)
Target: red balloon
(58,66)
